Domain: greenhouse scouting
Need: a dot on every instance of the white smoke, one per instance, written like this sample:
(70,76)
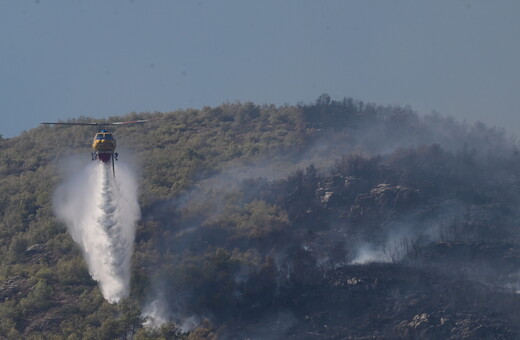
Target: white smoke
(367,253)
(100,212)
(395,247)
(156,314)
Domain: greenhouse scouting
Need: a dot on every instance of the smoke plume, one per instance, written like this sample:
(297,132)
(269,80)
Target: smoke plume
(100,212)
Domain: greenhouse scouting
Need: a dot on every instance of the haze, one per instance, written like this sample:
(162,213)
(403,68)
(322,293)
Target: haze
(63,59)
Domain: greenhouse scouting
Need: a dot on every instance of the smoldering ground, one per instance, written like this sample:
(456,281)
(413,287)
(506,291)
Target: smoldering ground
(271,220)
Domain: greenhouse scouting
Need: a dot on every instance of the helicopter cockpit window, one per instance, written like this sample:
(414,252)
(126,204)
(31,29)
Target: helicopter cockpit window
(103,136)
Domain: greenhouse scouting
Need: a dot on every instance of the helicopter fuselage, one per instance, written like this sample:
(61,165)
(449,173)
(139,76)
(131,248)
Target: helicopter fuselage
(104,146)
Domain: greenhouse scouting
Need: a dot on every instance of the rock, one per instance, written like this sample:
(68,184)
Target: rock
(423,326)
(35,248)
(12,287)
(353,281)
(328,197)
(420,320)
(388,196)
(384,194)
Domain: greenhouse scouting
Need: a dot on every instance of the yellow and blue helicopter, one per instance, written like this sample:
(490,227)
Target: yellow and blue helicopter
(104,143)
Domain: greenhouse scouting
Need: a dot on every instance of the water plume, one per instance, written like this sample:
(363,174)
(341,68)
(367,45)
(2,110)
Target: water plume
(100,212)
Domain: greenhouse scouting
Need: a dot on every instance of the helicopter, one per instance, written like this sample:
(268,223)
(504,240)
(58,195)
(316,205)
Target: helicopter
(104,143)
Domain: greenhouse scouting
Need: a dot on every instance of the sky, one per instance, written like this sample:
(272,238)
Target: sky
(62,59)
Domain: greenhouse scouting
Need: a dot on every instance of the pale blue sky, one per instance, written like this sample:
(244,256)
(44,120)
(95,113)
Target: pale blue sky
(65,58)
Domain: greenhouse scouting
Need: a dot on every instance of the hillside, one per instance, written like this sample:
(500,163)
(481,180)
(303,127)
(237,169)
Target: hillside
(327,220)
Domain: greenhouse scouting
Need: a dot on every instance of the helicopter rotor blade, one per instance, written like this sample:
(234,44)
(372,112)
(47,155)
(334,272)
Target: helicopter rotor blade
(89,124)
(135,121)
(104,124)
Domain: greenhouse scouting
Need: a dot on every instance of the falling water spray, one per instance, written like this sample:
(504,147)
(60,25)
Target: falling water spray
(100,212)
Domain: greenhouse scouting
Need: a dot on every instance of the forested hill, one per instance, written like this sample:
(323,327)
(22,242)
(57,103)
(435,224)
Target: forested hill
(326,220)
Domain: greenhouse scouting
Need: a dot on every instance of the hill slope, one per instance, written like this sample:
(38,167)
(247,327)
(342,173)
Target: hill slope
(325,220)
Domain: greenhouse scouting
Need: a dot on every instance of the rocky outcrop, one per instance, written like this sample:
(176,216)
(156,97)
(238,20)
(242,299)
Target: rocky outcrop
(14,287)
(390,196)
(424,326)
(338,190)
(383,198)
